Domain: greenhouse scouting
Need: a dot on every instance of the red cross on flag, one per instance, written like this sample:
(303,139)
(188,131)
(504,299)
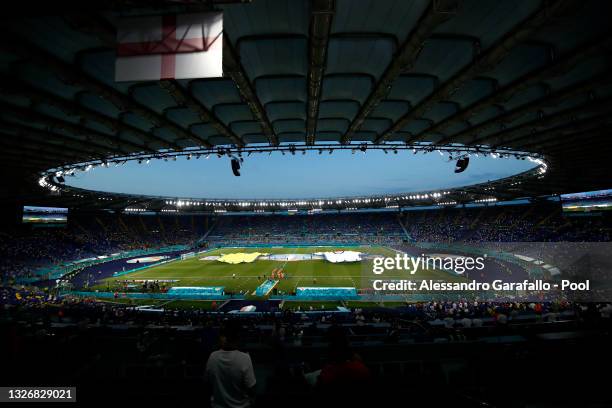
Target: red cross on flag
(182,46)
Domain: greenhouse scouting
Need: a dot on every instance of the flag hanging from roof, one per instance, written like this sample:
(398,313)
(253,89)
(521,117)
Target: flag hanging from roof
(176,46)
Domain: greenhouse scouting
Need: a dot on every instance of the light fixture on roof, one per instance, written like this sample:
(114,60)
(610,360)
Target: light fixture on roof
(236,166)
(462,164)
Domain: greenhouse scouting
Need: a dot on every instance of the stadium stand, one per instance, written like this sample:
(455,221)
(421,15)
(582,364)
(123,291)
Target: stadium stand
(122,291)
(26,250)
(158,356)
(505,224)
(372,228)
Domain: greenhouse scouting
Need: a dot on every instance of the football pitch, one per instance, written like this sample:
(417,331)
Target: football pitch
(246,277)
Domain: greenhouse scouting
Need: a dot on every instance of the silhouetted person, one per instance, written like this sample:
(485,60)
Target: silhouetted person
(230,372)
(344,376)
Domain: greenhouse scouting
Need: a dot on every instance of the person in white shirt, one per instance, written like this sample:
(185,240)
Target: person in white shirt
(229,372)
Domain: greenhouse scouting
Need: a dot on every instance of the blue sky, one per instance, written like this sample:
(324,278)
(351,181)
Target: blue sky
(300,176)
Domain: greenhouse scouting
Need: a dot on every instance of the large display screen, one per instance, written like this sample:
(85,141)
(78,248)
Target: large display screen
(47,216)
(588,201)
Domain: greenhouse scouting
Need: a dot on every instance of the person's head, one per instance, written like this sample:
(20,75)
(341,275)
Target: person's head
(229,335)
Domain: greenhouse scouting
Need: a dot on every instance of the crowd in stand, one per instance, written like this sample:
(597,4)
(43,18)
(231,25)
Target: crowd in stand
(543,223)
(538,223)
(371,228)
(320,355)
(102,233)
(24,250)
(448,313)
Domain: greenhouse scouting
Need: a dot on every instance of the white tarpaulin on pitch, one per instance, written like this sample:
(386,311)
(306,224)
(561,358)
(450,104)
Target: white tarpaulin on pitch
(341,256)
(182,46)
(147,259)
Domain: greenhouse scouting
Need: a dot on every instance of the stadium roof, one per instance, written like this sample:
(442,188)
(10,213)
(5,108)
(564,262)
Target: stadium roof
(530,76)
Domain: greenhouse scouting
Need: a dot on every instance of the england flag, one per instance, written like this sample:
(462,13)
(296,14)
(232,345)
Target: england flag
(173,46)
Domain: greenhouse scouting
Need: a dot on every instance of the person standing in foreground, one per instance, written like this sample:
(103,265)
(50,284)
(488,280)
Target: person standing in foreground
(229,372)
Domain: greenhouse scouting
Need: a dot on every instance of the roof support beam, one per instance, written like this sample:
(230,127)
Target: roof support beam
(41,146)
(29,115)
(553,99)
(481,63)
(582,161)
(504,94)
(85,149)
(558,135)
(106,33)
(435,14)
(15,166)
(509,137)
(19,159)
(13,149)
(185,98)
(16,87)
(73,75)
(321,17)
(580,133)
(234,69)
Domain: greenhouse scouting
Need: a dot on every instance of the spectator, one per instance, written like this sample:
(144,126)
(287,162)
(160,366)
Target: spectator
(345,372)
(229,372)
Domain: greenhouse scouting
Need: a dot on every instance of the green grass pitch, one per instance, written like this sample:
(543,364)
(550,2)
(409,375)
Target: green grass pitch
(312,273)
